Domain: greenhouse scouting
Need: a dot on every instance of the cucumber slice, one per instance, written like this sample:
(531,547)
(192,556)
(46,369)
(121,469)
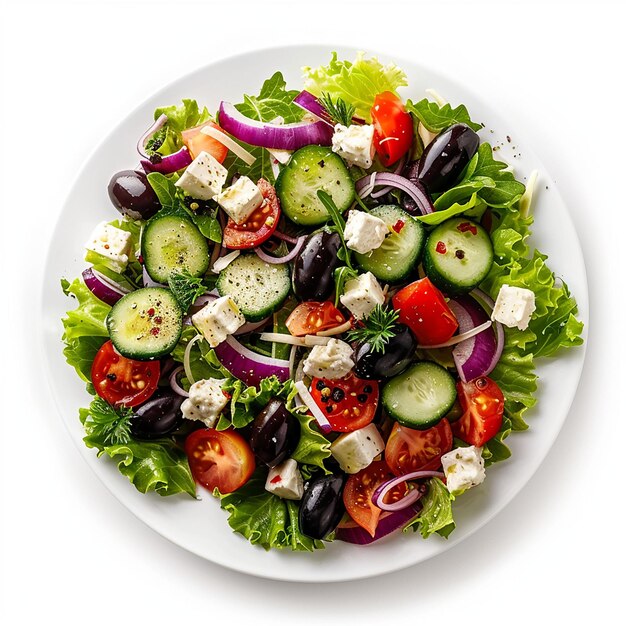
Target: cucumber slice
(458,255)
(400,252)
(145,324)
(310,169)
(421,396)
(258,288)
(172,244)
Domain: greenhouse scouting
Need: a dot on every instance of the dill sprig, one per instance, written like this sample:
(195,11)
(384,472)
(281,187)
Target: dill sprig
(338,109)
(379,328)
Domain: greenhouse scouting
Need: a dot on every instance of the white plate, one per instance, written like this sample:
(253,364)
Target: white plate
(200,526)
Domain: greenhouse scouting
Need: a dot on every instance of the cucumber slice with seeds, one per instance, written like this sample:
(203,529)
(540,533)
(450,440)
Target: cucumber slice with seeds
(258,288)
(145,324)
(400,252)
(310,169)
(458,255)
(421,396)
(172,244)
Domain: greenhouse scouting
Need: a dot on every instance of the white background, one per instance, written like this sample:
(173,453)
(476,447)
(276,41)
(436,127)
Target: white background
(71,71)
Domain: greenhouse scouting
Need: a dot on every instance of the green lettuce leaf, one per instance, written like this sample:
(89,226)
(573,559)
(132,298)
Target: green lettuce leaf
(436,513)
(179,118)
(88,318)
(432,219)
(357,83)
(159,465)
(274,100)
(437,118)
(265,519)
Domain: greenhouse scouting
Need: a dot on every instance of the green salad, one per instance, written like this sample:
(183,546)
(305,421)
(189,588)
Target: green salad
(319,305)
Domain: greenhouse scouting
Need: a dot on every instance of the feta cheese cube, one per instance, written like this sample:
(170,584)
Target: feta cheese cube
(464,468)
(285,481)
(334,360)
(112,244)
(356,450)
(362,294)
(205,402)
(514,306)
(218,319)
(364,232)
(203,178)
(240,200)
(354,144)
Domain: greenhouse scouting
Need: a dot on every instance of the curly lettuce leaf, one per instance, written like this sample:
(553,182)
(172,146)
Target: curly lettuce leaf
(357,83)
(88,318)
(274,100)
(436,513)
(265,519)
(179,118)
(437,118)
(158,465)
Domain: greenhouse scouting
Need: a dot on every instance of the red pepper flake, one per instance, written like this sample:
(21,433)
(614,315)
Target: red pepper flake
(467,226)
(441,247)
(158,319)
(151,312)
(398,226)
(276,479)
(155,331)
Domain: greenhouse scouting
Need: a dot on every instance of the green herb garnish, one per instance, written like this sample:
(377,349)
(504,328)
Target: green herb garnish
(378,330)
(338,109)
(185,288)
(108,425)
(340,224)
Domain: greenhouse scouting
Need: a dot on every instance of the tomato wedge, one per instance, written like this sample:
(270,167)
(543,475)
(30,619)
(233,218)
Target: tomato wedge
(218,459)
(423,308)
(393,128)
(121,381)
(482,402)
(309,318)
(357,494)
(409,450)
(349,403)
(197,142)
(259,227)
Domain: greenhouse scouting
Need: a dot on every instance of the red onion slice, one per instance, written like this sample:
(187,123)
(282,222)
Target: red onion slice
(365,185)
(249,366)
(309,103)
(381,491)
(174,382)
(147,281)
(277,136)
(103,287)
(143,140)
(283,259)
(168,164)
(488,303)
(284,237)
(388,523)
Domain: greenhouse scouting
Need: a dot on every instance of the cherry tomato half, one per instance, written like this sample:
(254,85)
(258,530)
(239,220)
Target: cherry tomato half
(393,128)
(482,402)
(197,142)
(357,494)
(409,450)
(309,318)
(259,227)
(425,311)
(219,459)
(121,381)
(349,403)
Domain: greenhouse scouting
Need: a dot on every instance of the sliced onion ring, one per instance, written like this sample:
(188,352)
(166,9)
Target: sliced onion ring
(472,332)
(174,382)
(154,127)
(103,287)
(232,145)
(388,523)
(283,259)
(365,185)
(280,136)
(381,491)
(307,398)
(168,164)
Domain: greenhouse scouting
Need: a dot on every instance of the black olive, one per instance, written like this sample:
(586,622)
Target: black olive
(446,157)
(274,434)
(158,416)
(322,506)
(314,266)
(396,356)
(132,195)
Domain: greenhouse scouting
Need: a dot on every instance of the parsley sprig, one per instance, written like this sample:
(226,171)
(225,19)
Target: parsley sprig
(108,425)
(338,109)
(378,328)
(185,288)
